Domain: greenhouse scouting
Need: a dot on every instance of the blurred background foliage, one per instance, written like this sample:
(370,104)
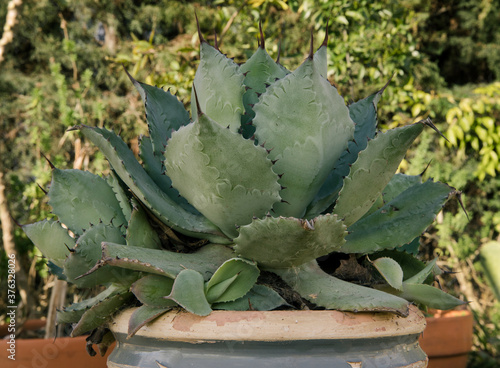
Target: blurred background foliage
(65,64)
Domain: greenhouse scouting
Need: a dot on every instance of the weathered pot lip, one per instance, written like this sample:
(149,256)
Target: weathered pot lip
(289,325)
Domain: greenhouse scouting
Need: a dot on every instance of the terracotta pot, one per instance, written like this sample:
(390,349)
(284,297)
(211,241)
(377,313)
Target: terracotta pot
(30,325)
(447,340)
(275,339)
(62,352)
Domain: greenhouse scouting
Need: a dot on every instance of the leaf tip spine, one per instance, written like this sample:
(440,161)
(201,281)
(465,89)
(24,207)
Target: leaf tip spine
(311,49)
(200,35)
(216,44)
(262,43)
(42,189)
(325,40)
(198,108)
(48,161)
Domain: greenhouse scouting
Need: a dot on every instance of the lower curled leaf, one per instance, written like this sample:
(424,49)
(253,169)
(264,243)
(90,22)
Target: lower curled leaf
(324,290)
(75,311)
(152,289)
(189,292)
(408,262)
(430,296)
(216,291)
(424,274)
(163,262)
(259,298)
(391,271)
(233,279)
(101,313)
(143,315)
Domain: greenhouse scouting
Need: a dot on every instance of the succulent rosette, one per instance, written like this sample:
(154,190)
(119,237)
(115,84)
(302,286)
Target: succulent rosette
(269,172)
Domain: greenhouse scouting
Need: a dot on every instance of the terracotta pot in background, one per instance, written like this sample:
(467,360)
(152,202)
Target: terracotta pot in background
(30,325)
(63,352)
(447,339)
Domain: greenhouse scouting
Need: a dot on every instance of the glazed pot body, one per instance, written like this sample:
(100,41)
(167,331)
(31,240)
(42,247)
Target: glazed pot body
(271,339)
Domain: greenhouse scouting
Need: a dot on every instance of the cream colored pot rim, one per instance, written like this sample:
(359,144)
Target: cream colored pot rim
(179,325)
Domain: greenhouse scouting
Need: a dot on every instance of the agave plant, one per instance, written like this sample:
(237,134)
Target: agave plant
(232,207)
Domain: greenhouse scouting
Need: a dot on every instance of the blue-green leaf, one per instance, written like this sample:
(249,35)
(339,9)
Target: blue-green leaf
(135,177)
(373,170)
(430,296)
(286,242)
(51,239)
(399,221)
(224,176)
(80,198)
(303,120)
(391,271)
(364,114)
(164,113)
(219,87)
(259,298)
(189,292)
(233,279)
(324,290)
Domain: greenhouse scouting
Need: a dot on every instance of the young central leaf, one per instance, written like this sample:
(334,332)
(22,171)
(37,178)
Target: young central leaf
(260,70)
(164,113)
(391,271)
(232,280)
(219,88)
(305,122)
(189,292)
(364,114)
(225,177)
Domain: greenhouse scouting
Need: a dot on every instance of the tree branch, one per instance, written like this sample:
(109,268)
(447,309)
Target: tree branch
(8,34)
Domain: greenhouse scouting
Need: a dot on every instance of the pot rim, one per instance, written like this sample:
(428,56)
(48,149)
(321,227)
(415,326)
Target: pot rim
(179,325)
